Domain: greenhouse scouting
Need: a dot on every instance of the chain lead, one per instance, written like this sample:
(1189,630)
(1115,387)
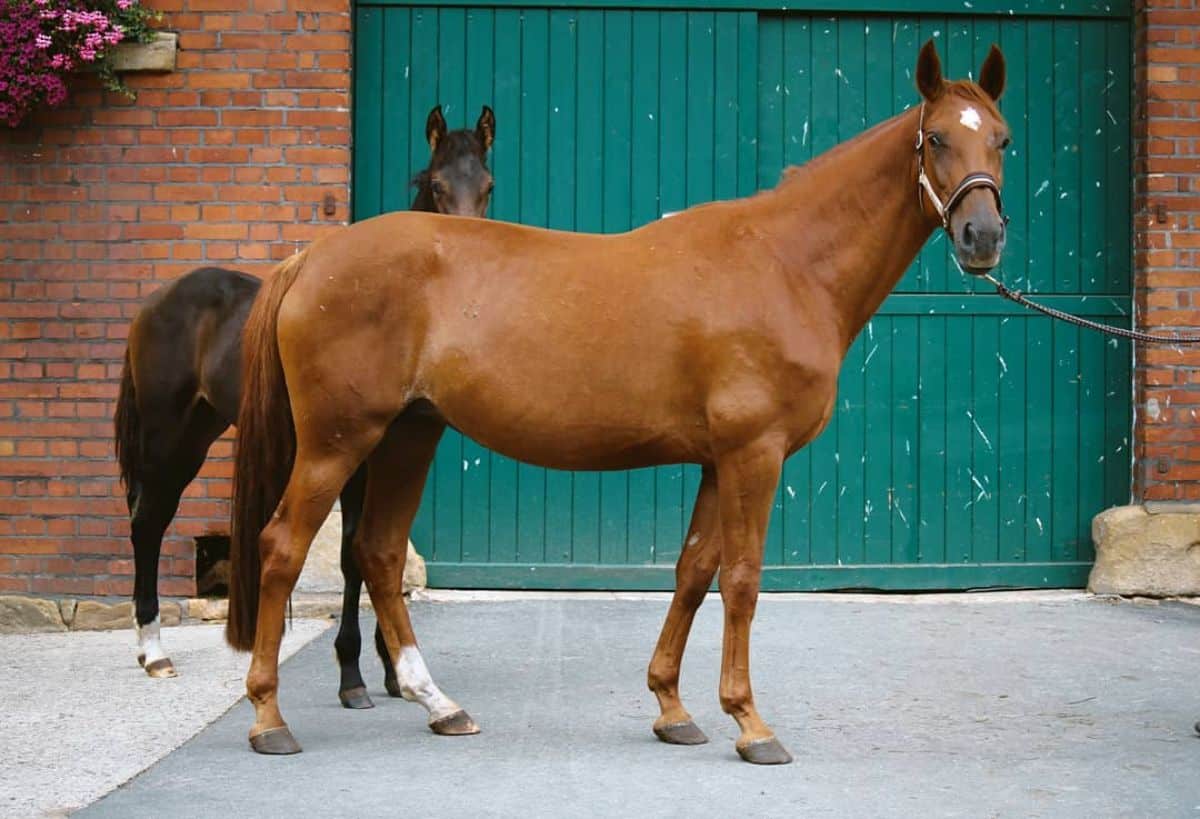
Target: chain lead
(1015,296)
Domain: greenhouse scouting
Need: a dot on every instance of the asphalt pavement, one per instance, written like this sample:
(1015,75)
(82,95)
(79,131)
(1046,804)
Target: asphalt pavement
(1034,705)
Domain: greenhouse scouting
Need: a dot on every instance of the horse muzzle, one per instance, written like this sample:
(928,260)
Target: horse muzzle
(979,242)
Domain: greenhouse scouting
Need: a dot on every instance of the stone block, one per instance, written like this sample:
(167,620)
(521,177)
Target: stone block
(93,615)
(322,571)
(206,609)
(1144,554)
(21,615)
(66,608)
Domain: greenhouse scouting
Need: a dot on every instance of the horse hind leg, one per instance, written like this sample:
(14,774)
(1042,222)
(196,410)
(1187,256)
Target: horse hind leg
(352,691)
(693,576)
(395,479)
(150,513)
(283,545)
(391,682)
(169,464)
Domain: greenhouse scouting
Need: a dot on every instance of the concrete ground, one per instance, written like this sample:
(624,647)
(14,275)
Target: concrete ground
(78,717)
(985,705)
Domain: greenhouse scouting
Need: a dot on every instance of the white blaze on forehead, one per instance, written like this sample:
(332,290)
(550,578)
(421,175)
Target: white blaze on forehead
(970,118)
(416,684)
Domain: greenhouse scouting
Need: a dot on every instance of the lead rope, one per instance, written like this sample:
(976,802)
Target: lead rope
(1016,297)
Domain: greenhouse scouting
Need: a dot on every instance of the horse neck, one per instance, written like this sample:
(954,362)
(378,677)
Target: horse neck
(850,224)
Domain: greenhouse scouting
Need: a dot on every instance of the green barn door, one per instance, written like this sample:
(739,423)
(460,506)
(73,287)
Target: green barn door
(972,442)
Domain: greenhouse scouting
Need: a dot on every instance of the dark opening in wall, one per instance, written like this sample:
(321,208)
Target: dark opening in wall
(212,566)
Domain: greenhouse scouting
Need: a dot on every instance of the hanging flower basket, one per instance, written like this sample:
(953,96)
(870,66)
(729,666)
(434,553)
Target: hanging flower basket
(43,42)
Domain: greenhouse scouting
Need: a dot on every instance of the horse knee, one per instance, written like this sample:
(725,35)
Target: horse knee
(739,588)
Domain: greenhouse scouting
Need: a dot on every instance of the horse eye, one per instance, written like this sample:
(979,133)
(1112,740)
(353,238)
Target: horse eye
(936,140)
(1004,145)
(491,187)
(437,188)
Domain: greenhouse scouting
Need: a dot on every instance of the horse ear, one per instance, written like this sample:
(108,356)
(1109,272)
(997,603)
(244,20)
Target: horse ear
(992,75)
(929,72)
(435,127)
(485,128)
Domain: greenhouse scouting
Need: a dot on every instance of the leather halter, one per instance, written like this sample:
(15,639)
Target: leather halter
(969,183)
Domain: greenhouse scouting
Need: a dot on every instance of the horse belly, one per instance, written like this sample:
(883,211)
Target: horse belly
(567,415)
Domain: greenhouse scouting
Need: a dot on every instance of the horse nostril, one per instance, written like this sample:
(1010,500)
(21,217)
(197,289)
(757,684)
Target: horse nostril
(969,234)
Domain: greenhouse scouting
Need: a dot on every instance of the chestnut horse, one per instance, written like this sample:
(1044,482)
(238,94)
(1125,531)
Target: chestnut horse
(714,337)
(180,390)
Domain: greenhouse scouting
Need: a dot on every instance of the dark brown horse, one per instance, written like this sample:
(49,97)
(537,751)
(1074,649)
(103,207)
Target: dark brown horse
(714,337)
(180,390)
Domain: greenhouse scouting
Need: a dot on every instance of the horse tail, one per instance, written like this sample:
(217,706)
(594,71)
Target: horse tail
(266,450)
(127,425)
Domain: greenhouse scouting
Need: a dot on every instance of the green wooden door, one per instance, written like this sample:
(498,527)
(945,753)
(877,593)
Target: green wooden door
(972,442)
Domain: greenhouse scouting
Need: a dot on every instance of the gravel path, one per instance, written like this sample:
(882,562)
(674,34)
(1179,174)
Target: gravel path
(78,717)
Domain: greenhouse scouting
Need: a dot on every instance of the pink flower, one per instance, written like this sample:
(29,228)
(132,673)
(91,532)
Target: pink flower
(43,41)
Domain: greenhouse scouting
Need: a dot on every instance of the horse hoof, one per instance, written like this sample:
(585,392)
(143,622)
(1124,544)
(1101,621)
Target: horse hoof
(769,751)
(393,688)
(275,742)
(161,669)
(355,699)
(680,733)
(456,725)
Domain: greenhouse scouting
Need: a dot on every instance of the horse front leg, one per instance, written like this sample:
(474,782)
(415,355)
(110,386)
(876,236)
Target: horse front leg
(746,482)
(352,691)
(693,575)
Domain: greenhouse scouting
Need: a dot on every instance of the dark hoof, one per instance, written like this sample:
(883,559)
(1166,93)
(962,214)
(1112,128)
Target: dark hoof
(769,751)
(356,699)
(680,733)
(275,741)
(457,724)
(161,668)
(393,688)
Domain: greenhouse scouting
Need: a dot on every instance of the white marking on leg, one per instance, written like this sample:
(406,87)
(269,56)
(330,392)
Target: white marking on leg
(970,118)
(149,647)
(416,685)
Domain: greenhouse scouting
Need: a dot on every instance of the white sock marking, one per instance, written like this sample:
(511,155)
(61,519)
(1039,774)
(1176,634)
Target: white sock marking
(970,118)
(148,641)
(417,685)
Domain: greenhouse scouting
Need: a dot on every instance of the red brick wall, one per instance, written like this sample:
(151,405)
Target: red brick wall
(1167,246)
(226,161)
